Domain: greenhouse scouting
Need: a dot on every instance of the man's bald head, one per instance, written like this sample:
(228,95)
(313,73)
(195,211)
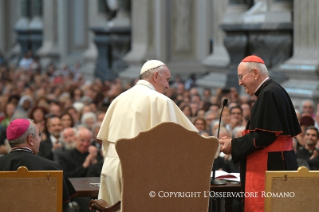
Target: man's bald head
(83,139)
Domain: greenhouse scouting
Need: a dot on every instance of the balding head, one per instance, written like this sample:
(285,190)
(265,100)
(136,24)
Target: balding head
(251,75)
(83,139)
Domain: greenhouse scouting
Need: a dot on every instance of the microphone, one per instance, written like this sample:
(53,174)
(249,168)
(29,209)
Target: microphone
(218,181)
(220,117)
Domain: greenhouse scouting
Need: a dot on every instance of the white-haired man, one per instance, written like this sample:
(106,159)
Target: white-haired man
(68,136)
(75,162)
(266,143)
(136,110)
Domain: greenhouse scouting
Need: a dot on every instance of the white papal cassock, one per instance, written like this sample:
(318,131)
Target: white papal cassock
(134,111)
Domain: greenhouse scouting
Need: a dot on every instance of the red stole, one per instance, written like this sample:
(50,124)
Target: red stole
(256,165)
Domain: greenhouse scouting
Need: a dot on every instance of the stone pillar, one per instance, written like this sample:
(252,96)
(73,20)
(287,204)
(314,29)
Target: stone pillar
(235,41)
(79,39)
(3,27)
(36,26)
(141,38)
(49,50)
(12,12)
(103,64)
(217,62)
(113,42)
(161,16)
(97,18)
(303,68)
(204,28)
(22,27)
(219,57)
(64,28)
(106,39)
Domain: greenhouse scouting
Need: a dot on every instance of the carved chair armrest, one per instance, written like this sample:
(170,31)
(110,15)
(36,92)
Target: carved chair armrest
(103,206)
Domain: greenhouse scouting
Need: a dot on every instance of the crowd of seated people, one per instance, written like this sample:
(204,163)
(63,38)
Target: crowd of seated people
(69,110)
(59,98)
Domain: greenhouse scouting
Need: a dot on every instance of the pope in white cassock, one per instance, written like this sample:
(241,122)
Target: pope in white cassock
(136,110)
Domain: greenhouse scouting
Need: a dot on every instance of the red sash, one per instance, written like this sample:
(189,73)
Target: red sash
(256,166)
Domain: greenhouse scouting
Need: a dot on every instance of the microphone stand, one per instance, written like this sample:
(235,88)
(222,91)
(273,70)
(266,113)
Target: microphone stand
(215,181)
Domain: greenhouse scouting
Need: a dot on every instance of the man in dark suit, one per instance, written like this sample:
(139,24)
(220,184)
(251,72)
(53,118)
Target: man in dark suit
(76,162)
(308,153)
(24,139)
(53,138)
(68,142)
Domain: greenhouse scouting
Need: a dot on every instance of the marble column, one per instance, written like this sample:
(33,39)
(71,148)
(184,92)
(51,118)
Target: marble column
(49,51)
(303,68)
(97,18)
(113,42)
(36,26)
(161,29)
(219,57)
(217,62)
(235,41)
(141,38)
(111,45)
(79,34)
(64,28)
(3,28)
(22,27)
(12,13)
(204,28)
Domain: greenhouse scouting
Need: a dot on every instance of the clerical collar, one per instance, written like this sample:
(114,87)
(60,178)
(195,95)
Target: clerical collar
(267,78)
(25,149)
(145,83)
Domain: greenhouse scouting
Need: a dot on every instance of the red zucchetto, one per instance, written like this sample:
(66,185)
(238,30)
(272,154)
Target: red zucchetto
(253,58)
(16,128)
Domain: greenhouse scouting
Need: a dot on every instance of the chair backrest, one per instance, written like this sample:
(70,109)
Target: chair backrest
(24,190)
(166,168)
(292,190)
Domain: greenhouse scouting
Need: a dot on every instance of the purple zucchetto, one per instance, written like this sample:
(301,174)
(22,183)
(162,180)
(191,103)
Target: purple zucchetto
(17,128)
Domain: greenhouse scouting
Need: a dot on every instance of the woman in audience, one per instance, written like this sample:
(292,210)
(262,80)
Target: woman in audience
(186,109)
(37,114)
(66,120)
(200,124)
(9,109)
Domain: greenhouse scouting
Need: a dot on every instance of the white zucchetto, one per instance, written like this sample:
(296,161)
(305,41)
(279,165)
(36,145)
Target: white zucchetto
(150,64)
